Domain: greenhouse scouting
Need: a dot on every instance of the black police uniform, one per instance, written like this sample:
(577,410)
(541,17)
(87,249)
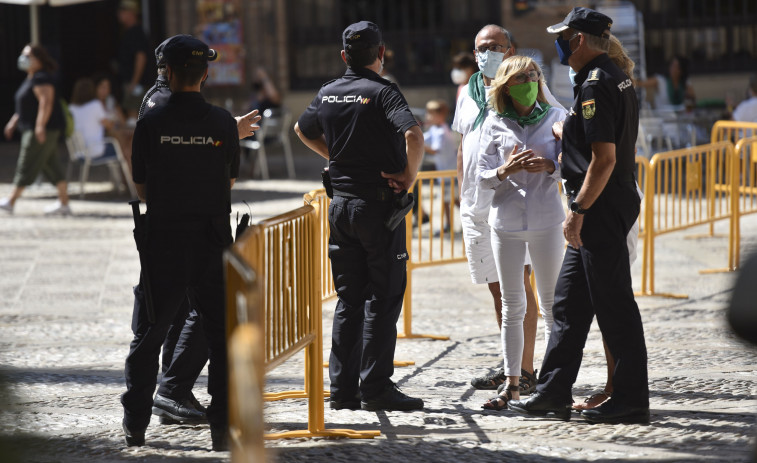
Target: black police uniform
(156,96)
(185,350)
(596,279)
(363,118)
(185,153)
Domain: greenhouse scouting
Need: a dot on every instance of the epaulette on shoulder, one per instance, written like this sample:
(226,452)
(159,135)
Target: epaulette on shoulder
(329,82)
(593,75)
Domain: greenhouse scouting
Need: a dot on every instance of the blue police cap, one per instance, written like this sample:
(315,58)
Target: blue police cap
(584,20)
(184,50)
(361,35)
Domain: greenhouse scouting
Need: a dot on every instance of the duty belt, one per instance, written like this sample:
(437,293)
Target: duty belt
(369,194)
(572,189)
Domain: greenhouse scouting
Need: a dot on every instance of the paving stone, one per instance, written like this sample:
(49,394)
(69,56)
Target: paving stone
(65,314)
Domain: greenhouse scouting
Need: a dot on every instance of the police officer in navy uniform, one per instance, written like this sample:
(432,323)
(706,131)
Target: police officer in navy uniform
(362,125)
(598,166)
(185,160)
(185,351)
(158,94)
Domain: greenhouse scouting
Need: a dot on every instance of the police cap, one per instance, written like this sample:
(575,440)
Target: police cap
(185,50)
(361,35)
(584,20)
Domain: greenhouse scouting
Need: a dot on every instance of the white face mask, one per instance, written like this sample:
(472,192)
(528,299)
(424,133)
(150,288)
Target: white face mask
(23,62)
(458,76)
(489,62)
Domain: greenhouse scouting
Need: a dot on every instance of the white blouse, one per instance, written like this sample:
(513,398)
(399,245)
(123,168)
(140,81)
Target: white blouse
(522,201)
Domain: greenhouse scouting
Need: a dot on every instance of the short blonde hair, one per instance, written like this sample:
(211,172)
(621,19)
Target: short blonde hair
(513,65)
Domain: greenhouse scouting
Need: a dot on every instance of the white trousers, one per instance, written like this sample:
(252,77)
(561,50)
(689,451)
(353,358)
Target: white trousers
(547,249)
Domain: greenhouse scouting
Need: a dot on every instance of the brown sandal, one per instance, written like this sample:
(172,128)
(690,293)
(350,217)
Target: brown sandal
(593,401)
(500,402)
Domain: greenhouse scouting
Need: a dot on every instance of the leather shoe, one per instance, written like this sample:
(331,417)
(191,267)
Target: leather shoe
(174,412)
(133,437)
(196,403)
(613,413)
(349,403)
(220,438)
(392,399)
(541,405)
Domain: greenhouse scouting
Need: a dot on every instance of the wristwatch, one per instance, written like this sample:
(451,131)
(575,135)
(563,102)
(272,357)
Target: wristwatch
(576,208)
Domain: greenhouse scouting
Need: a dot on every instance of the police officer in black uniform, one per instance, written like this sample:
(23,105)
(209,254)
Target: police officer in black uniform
(362,124)
(158,94)
(184,350)
(174,401)
(185,158)
(599,139)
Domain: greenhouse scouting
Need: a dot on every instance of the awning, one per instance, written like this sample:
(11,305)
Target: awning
(34,13)
(47,2)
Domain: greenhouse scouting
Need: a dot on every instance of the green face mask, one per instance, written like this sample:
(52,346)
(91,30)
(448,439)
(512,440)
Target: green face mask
(525,93)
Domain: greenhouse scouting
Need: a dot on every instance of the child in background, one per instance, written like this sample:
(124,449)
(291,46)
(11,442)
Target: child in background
(441,143)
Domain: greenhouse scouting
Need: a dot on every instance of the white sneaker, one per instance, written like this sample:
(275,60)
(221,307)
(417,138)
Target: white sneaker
(58,209)
(5,205)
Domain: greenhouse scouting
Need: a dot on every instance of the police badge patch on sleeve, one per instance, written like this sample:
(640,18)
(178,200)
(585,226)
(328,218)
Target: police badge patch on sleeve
(588,109)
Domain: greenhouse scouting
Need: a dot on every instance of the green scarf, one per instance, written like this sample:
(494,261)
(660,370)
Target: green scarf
(675,95)
(477,92)
(540,110)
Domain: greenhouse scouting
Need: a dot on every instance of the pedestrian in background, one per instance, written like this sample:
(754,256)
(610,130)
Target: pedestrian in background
(133,53)
(90,118)
(463,67)
(39,117)
(746,111)
(363,126)
(440,142)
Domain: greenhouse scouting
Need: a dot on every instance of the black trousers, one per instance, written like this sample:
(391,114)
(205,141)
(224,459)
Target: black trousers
(368,263)
(184,260)
(185,350)
(596,280)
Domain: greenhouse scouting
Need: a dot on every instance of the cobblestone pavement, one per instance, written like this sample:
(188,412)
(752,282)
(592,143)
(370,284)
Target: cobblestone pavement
(65,311)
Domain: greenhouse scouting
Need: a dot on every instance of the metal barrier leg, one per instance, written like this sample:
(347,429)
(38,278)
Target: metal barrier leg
(407,303)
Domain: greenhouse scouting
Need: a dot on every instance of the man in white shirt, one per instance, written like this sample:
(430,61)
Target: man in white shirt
(746,111)
(493,45)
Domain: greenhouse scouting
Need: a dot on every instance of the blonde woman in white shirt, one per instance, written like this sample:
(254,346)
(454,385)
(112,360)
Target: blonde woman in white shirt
(518,160)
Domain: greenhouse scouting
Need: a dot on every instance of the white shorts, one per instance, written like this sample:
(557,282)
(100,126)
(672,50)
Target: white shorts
(478,249)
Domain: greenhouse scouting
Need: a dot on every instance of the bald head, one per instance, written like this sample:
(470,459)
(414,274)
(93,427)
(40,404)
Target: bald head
(493,32)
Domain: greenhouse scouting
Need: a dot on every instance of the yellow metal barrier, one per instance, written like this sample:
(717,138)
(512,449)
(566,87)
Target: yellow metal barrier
(687,188)
(246,364)
(745,153)
(643,175)
(327,278)
(436,244)
(285,250)
(730,131)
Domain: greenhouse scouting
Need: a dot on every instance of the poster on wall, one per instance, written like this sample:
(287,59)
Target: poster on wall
(219,25)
